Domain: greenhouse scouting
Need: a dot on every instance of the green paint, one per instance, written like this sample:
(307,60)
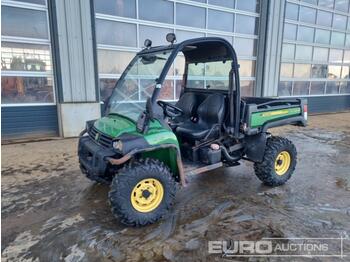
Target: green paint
(167,156)
(116,125)
(259,118)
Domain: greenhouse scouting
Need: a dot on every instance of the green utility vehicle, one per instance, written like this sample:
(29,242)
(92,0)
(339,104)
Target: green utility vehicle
(143,146)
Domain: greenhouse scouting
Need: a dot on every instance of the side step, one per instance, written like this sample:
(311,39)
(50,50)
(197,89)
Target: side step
(203,169)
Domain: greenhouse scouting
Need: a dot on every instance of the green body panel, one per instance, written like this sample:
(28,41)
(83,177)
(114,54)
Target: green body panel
(259,118)
(167,156)
(116,125)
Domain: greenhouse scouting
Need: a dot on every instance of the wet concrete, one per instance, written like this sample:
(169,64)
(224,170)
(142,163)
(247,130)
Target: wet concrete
(51,212)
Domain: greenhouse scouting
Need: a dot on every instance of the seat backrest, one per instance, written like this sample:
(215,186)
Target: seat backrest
(212,110)
(188,102)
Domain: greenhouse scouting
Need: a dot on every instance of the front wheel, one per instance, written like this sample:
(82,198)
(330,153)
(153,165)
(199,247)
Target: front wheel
(142,192)
(279,162)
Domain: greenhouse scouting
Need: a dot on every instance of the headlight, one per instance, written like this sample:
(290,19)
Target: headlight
(118,145)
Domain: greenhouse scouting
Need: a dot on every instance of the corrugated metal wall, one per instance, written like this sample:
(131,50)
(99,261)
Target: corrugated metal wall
(76,53)
(28,121)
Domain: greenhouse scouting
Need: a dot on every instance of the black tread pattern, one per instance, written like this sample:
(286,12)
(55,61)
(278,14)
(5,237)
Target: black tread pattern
(124,182)
(265,170)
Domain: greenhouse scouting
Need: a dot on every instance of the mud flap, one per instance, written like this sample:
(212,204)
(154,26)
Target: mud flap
(255,147)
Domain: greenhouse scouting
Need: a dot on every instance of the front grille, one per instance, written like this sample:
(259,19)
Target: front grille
(100,138)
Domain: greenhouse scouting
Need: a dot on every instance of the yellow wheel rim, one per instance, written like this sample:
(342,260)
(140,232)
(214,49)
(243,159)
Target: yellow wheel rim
(147,195)
(282,163)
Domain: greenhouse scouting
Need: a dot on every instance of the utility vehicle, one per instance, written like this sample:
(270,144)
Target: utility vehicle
(143,146)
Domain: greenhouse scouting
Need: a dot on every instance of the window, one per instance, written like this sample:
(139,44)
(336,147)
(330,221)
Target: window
(224,3)
(106,86)
(285,88)
(303,52)
(306,34)
(313,2)
(337,39)
(286,70)
(344,87)
(342,5)
(125,8)
(288,51)
(24,90)
(324,18)
(339,22)
(245,46)
(246,24)
(219,20)
(335,55)
(115,33)
(346,57)
(156,34)
(214,74)
(26,64)
(307,14)
(248,5)
(247,88)
(227,38)
(326,3)
(322,36)
(317,88)
(319,71)
(25,57)
(302,71)
(185,14)
(345,72)
(292,11)
(22,22)
(290,31)
(320,54)
(113,62)
(166,93)
(334,72)
(247,68)
(161,11)
(37,2)
(301,88)
(183,35)
(347,40)
(332,87)
(123,25)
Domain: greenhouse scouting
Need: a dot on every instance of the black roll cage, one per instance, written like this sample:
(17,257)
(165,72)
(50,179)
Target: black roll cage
(234,82)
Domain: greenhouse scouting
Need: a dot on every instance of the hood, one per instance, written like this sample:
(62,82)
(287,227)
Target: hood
(115,125)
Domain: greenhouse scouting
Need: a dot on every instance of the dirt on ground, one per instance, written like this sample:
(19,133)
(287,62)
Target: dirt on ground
(51,212)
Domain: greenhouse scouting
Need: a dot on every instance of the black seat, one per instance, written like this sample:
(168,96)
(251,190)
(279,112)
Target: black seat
(211,114)
(188,102)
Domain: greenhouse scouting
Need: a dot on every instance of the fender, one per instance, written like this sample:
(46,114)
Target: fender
(153,151)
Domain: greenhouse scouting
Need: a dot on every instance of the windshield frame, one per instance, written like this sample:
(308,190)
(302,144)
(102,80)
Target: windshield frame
(158,81)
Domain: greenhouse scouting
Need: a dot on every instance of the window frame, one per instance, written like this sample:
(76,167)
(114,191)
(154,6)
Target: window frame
(29,40)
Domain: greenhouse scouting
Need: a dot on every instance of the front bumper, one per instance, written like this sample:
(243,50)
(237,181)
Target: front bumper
(93,157)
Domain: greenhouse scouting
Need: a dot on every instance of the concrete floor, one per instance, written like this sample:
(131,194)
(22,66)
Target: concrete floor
(51,212)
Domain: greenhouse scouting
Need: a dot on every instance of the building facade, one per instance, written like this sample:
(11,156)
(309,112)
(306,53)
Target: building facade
(59,59)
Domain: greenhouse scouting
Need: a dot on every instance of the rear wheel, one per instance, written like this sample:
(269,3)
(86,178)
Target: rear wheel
(279,162)
(142,192)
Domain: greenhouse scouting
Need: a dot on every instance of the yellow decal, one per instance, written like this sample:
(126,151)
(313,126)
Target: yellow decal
(276,113)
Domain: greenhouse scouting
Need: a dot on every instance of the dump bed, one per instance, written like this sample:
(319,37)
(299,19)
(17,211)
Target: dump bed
(259,114)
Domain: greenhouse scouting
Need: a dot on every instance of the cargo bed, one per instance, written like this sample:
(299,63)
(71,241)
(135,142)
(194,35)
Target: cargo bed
(260,113)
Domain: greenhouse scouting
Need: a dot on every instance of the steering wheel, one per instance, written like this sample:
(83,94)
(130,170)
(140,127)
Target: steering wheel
(169,109)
